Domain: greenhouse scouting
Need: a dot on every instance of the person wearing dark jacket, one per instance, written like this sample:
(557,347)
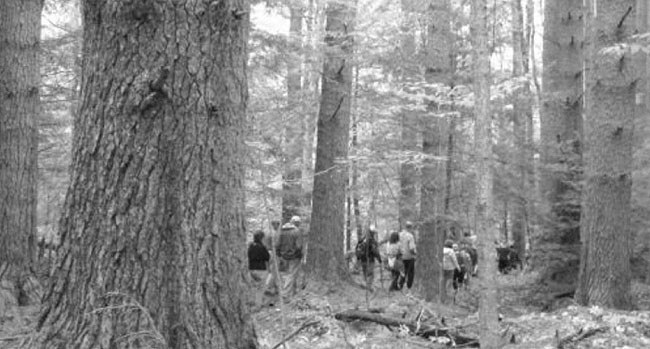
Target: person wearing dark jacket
(258,257)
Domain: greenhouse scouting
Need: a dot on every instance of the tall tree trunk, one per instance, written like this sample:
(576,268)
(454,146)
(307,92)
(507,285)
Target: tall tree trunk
(20,28)
(292,196)
(611,77)
(153,238)
(488,299)
(325,258)
(556,248)
(522,112)
(438,70)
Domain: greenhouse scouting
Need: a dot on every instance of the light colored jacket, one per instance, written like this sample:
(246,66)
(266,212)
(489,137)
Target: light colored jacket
(407,241)
(449,261)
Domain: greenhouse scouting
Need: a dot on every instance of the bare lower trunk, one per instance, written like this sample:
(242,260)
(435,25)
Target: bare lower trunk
(153,232)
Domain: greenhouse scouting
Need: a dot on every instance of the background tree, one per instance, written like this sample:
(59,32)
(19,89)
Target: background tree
(20,28)
(556,248)
(153,228)
(434,203)
(605,228)
(325,257)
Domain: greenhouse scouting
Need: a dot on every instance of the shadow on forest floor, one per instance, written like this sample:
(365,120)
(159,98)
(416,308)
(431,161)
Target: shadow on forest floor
(574,326)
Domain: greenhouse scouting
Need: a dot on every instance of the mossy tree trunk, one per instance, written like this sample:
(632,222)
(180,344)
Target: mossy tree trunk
(153,239)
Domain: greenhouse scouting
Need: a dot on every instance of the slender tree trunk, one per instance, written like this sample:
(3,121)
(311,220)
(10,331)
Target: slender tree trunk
(325,257)
(606,232)
(153,238)
(20,28)
(556,248)
(488,299)
(292,196)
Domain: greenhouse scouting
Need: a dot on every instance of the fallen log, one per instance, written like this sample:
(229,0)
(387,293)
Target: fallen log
(422,330)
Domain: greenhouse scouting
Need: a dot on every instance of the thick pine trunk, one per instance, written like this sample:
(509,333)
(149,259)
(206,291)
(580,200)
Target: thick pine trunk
(20,23)
(325,258)
(556,248)
(292,195)
(606,228)
(488,298)
(153,238)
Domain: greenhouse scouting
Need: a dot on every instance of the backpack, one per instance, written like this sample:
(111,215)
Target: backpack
(362,251)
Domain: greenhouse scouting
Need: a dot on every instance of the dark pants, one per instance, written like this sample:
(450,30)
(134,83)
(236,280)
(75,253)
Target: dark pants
(397,280)
(459,277)
(409,272)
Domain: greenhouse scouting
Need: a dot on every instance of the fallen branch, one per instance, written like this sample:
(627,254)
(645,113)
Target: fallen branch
(294,333)
(423,330)
(578,336)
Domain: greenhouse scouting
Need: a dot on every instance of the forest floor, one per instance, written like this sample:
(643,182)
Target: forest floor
(310,319)
(529,319)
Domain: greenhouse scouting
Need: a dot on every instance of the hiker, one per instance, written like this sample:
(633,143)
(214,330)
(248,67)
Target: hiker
(407,240)
(289,250)
(258,264)
(271,284)
(394,262)
(367,251)
(464,261)
(258,257)
(449,263)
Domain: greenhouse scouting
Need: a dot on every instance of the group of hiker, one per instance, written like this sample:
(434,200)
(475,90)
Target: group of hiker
(280,251)
(459,260)
(283,250)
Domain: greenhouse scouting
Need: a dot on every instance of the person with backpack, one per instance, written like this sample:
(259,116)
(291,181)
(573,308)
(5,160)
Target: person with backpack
(394,262)
(449,263)
(367,251)
(289,250)
(464,261)
(409,252)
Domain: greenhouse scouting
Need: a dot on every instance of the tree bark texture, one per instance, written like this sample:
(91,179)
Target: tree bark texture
(556,248)
(640,180)
(153,238)
(20,28)
(325,258)
(605,229)
(438,70)
(488,299)
(292,195)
